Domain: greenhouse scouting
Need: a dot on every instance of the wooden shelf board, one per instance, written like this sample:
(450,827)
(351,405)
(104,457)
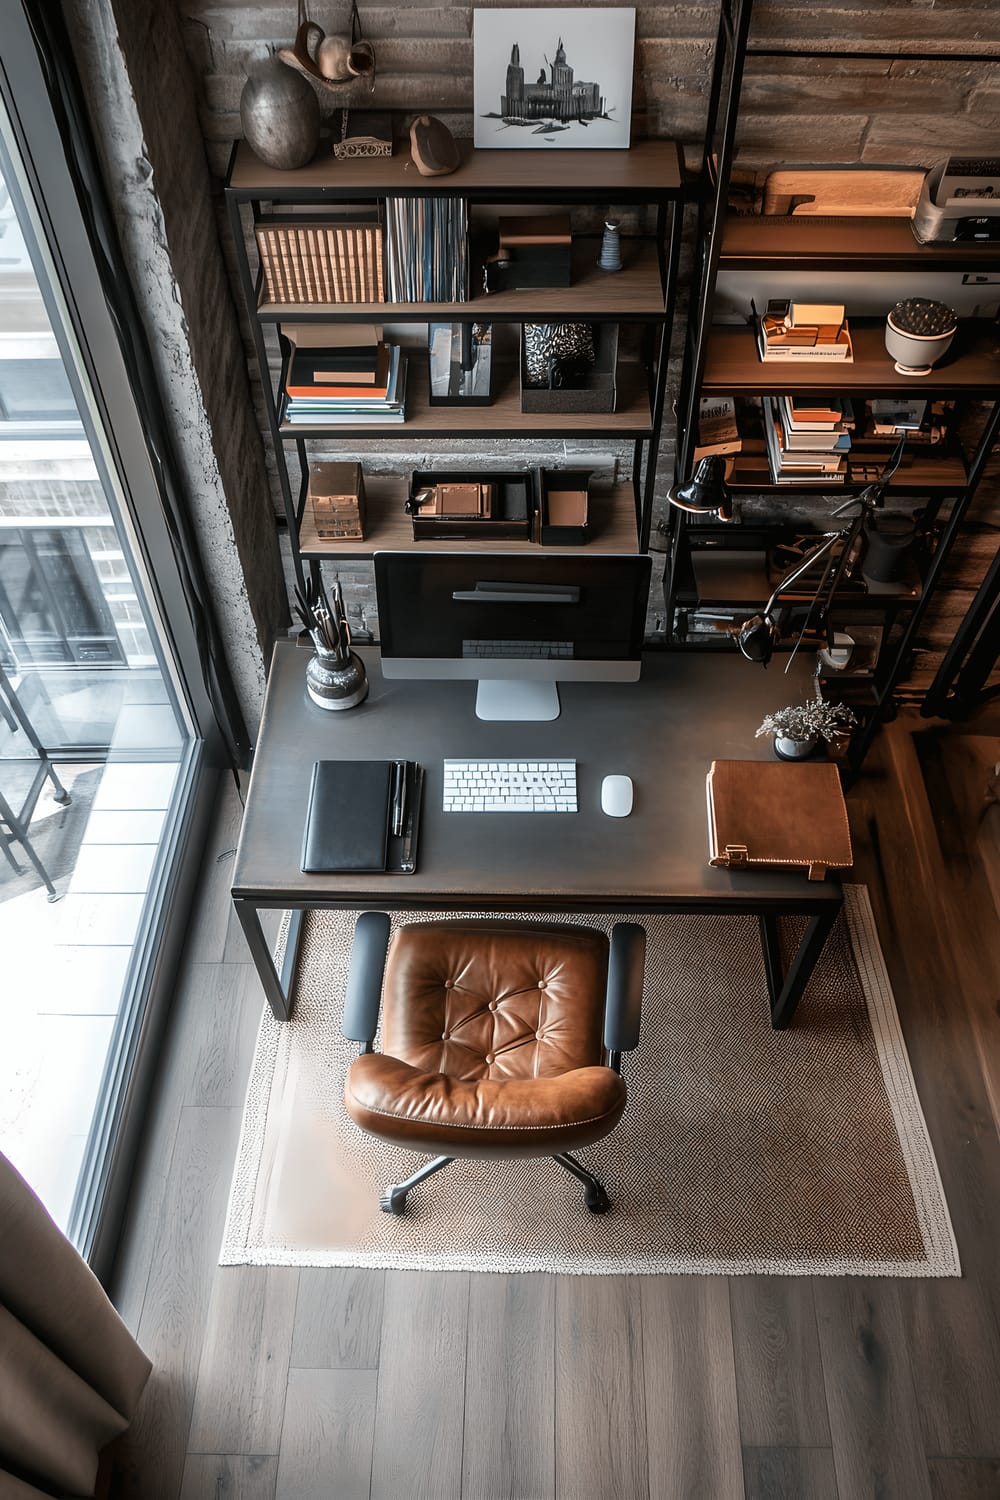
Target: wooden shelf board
(632,294)
(648,171)
(612,517)
(918,472)
(732,366)
(841,243)
(504,418)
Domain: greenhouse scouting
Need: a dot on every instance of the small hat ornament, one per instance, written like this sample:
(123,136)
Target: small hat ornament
(330,60)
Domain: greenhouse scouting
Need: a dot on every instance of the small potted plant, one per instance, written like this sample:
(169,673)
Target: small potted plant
(798,728)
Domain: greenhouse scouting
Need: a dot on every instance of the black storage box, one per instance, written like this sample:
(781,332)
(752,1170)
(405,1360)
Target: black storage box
(594,391)
(563,501)
(535,251)
(511,513)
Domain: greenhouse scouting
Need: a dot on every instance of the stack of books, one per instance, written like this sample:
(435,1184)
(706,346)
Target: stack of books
(804,331)
(321,260)
(427,249)
(808,439)
(353,377)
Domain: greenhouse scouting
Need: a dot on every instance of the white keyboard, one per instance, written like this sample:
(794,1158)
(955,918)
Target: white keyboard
(510,786)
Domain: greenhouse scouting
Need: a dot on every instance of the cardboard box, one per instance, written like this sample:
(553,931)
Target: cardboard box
(596,391)
(511,506)
(563,505)
(337,496)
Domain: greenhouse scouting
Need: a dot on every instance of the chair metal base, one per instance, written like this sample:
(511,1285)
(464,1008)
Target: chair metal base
(596,1196)
(393,1200)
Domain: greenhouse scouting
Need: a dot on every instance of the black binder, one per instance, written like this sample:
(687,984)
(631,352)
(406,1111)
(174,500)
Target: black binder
(349,816)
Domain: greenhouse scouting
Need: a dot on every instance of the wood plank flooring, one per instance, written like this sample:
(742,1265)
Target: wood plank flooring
(281,1384)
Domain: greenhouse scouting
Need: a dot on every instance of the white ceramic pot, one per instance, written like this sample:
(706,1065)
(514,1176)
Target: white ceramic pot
(786,749)
(915,353)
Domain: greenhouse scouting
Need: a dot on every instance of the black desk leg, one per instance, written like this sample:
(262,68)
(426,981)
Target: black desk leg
(277,987)
(786,990)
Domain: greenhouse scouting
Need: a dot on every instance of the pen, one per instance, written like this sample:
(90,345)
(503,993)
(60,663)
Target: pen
(407,863)
(398,796)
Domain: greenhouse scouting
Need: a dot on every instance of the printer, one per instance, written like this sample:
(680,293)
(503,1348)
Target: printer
(960,201)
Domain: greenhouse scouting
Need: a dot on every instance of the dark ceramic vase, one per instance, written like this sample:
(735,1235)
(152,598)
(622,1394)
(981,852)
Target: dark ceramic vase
(279,112)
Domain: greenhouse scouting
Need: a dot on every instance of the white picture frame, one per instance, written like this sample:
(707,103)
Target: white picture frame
(553,77)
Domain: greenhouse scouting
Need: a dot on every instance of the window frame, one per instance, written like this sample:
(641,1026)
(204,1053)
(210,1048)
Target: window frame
(117,417)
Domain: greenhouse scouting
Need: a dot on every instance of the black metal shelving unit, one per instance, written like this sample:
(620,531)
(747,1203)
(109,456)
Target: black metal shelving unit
(651,173)
(722,360)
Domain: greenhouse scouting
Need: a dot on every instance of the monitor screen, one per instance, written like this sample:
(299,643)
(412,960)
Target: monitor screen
(512,617)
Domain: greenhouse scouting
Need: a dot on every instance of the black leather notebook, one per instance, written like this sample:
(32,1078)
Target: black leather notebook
(347,824)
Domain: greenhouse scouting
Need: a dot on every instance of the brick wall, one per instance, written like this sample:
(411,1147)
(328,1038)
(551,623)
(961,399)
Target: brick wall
(827,108)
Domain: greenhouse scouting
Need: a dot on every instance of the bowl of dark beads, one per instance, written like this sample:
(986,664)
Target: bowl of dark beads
(918,332)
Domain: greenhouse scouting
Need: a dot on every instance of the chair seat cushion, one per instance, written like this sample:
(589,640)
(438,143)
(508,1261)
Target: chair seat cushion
(488,1000)
(437,1114)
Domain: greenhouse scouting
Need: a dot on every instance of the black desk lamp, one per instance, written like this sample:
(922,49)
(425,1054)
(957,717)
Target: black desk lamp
(758,636)
(706,493)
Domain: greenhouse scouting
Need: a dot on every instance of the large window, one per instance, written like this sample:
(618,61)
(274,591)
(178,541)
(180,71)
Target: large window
(103,715)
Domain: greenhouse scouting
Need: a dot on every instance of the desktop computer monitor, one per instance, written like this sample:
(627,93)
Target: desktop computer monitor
(518,623)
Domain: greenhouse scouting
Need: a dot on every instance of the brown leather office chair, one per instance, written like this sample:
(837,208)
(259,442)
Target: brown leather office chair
(499,1039)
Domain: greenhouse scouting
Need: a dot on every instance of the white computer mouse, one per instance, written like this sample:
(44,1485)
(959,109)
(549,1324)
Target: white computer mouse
(616,796)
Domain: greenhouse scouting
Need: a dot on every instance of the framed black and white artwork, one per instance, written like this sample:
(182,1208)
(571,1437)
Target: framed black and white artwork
(553,77)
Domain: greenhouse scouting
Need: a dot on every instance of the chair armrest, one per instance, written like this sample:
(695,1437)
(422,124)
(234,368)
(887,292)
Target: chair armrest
(623,1004)
(364,980)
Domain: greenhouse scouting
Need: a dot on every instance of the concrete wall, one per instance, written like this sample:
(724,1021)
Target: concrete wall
(141,96)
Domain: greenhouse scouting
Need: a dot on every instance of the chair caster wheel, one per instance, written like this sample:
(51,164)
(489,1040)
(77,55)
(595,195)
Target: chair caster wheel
(597,1200)
(393,1201)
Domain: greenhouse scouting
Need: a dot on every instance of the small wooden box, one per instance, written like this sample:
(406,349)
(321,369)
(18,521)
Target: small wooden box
(337,497)
(563,503)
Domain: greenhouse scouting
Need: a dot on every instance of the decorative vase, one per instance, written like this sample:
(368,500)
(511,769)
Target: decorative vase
(336,681)
(279,112)
(786,749)
(611,246)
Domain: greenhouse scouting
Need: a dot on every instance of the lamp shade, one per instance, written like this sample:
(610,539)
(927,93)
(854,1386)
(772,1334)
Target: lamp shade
(706,493)
(757,638)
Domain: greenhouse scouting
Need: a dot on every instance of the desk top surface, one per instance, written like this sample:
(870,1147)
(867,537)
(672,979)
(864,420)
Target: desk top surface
(663,731)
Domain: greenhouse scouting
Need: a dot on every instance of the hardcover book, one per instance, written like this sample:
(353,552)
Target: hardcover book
(776,814)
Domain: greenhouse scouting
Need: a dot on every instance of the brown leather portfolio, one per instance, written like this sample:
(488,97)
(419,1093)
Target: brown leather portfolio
(772,814)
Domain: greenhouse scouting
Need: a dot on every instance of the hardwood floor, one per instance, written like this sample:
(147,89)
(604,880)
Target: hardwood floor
(279,1384)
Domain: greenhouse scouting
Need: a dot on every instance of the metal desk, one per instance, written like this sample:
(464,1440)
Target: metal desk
(663,732)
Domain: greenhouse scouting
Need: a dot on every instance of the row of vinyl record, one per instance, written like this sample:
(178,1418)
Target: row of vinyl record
(427,249)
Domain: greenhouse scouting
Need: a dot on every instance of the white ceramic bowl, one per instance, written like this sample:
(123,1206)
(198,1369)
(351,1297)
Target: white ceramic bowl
(915,353)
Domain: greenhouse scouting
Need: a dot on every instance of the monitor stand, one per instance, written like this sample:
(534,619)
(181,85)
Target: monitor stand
(516,700)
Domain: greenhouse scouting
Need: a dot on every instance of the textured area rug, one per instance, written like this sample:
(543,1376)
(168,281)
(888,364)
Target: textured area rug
(742,1150)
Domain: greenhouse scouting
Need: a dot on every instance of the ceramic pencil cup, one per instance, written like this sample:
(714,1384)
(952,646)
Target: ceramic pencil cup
(336,679)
